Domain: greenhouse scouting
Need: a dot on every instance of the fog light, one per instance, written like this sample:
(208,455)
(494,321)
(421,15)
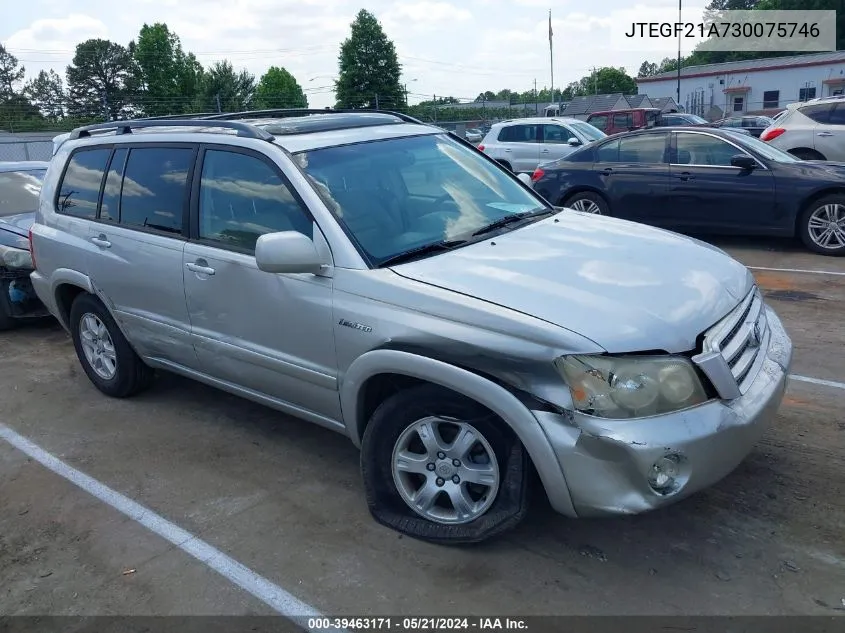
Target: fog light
(664,473)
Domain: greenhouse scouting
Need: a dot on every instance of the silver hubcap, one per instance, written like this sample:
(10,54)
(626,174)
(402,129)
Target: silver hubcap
(827,226)
(98,346)
(587,206)
(445,470)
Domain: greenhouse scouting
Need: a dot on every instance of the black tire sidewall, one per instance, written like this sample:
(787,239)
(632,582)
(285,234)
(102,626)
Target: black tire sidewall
(804,228)
(386,504)
(592,197)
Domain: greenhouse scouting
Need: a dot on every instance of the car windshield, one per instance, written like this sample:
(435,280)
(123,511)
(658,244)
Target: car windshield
(403,194)
(762,148)
(19,191)
(590,131)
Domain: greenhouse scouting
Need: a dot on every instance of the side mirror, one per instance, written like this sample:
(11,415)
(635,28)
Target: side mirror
(574,142)
(743,161)
(287,252)
(526,179)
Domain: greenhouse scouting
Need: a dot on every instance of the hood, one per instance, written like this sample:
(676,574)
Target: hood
(18,223)
(626,286)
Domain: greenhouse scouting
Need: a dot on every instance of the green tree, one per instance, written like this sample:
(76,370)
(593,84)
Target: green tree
(11,72)
(101,80)
(369,70)
(17,114)
(231,91)
(605,80)
(46,92)
(647,69)
(168,79)
(277,88)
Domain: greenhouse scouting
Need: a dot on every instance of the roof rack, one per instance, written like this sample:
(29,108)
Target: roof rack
(126,127)
(292,112)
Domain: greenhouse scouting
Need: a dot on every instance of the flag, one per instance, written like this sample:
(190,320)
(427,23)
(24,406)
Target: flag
(550,25)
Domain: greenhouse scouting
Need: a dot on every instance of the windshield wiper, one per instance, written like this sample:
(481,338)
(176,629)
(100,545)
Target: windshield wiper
(510,219)
(419,251)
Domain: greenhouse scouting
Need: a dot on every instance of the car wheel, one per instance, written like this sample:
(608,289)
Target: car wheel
(588,202)
(441,468)
(822,225)
(807,154)
(106,356)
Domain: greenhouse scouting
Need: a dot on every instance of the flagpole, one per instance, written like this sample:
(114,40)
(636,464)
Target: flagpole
(551,57)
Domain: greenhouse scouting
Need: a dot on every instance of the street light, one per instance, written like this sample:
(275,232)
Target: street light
(405,86)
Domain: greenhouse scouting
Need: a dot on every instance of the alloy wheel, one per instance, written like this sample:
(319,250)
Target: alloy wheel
(826,226)
(586,206)
(98,346)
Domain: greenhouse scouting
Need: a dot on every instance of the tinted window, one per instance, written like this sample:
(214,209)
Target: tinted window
(111,191)
(154,188)
(557,134)
(735,122)
(19,191)
(819,113)
(608,153)
(701,149)
(623,121)
(647,148)
(588,130)
(80,186)
(520,134)
(242,198)
(837,117)
(599,122)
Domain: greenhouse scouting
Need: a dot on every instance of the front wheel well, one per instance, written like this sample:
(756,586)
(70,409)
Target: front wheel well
(66,294)
(800,152)
(576,190)
(810,201)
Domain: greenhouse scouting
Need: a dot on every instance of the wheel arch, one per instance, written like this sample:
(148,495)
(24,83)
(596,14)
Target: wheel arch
(66,285)
(405,368)
(581,189)
(795,151)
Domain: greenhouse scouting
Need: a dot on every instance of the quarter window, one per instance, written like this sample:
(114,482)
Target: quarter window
(702,149)
(80,187)
(242,198)
(154,188)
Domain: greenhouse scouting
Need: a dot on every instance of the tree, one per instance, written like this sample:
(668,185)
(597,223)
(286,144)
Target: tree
(605,80)
(166,76)
(231,91)
(17,114)
(277,88)
(487,95)
(101,80)
(647,69)
(369,70)
(10,73)
(46,92)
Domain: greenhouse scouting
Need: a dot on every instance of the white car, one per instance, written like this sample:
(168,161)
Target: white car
(474,135)
(810,130)
(522,145)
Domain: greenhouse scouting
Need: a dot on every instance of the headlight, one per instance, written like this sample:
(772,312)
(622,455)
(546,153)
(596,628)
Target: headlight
(15,257)
(630,386)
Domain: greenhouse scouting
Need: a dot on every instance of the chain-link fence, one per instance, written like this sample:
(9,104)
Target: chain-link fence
(26,146)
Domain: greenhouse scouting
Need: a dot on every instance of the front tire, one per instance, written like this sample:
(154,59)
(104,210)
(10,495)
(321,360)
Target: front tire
(822,226)
(106,356)
(439,467)
(588,202)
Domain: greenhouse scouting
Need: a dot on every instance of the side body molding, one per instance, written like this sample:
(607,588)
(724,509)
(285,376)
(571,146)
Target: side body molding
(489,394)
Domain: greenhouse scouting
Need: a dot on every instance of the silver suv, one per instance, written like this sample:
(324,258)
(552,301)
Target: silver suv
(386,280)
(810,130)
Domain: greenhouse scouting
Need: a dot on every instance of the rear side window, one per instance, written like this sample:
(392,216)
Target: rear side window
(608,153)
(155,188)
(623,120)
(647,148)
(109,207)
(80,186)
(819,113)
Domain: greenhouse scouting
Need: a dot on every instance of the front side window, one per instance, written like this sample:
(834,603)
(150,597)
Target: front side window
(19,191)
(241,198)
(395,195)
(608,153)
(154,189)
(80,186)
(588,130)
(557,134)
(703,149)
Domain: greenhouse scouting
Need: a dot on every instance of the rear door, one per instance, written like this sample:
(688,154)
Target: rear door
(829,137)
(522,146)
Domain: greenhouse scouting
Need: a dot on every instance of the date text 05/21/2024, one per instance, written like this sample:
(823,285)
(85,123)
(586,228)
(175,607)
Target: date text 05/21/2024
(724,30)
(326,624)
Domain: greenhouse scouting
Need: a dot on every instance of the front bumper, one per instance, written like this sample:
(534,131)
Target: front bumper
(606,462)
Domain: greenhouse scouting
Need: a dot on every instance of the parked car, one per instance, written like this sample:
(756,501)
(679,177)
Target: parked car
(674,119)
(753,125)
(374,275)
(20,185)
(522,144)
(811,130)
(474,135)
(615,121)
(703,180)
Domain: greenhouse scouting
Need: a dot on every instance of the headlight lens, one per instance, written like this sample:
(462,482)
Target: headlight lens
(620,387)
(15,257)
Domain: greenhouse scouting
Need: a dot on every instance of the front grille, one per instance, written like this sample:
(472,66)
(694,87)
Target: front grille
(740,339)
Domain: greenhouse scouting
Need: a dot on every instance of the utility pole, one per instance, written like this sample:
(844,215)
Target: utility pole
(376,101)
(435,108)
(595,81)
(217,97)
(679,54)
(536,107)
(551,54)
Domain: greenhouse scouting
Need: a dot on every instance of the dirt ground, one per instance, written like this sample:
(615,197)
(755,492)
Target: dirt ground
(285,499)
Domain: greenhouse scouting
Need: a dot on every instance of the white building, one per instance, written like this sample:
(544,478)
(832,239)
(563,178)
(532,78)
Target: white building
(758,86)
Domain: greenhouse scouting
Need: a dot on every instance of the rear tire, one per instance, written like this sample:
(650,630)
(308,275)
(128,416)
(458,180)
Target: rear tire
(822,226)
(105,354)
(807,154)
(587,202)
(401,470)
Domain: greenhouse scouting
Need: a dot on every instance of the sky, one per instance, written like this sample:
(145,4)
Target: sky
(446,48)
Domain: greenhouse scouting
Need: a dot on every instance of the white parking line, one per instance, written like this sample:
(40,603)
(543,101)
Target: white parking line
(798,270)
(268,592)
(818,381)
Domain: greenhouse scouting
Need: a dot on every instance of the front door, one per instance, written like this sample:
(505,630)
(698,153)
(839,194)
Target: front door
(556,142)
(707,192)
(269,333)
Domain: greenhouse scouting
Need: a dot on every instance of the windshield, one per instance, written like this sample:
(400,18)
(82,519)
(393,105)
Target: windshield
(762,148)
(404,193)
(19,191)
(590,131)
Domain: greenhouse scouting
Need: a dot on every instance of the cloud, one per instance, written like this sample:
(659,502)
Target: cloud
(430,11)
(49,42)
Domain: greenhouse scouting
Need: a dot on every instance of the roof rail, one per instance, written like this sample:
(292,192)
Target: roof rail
(291,112)
(126,127)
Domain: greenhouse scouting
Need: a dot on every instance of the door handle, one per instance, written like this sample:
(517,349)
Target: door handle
(685,175)
(199,267)
(101,241)
(544,151)
(508,151)
(824,134)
